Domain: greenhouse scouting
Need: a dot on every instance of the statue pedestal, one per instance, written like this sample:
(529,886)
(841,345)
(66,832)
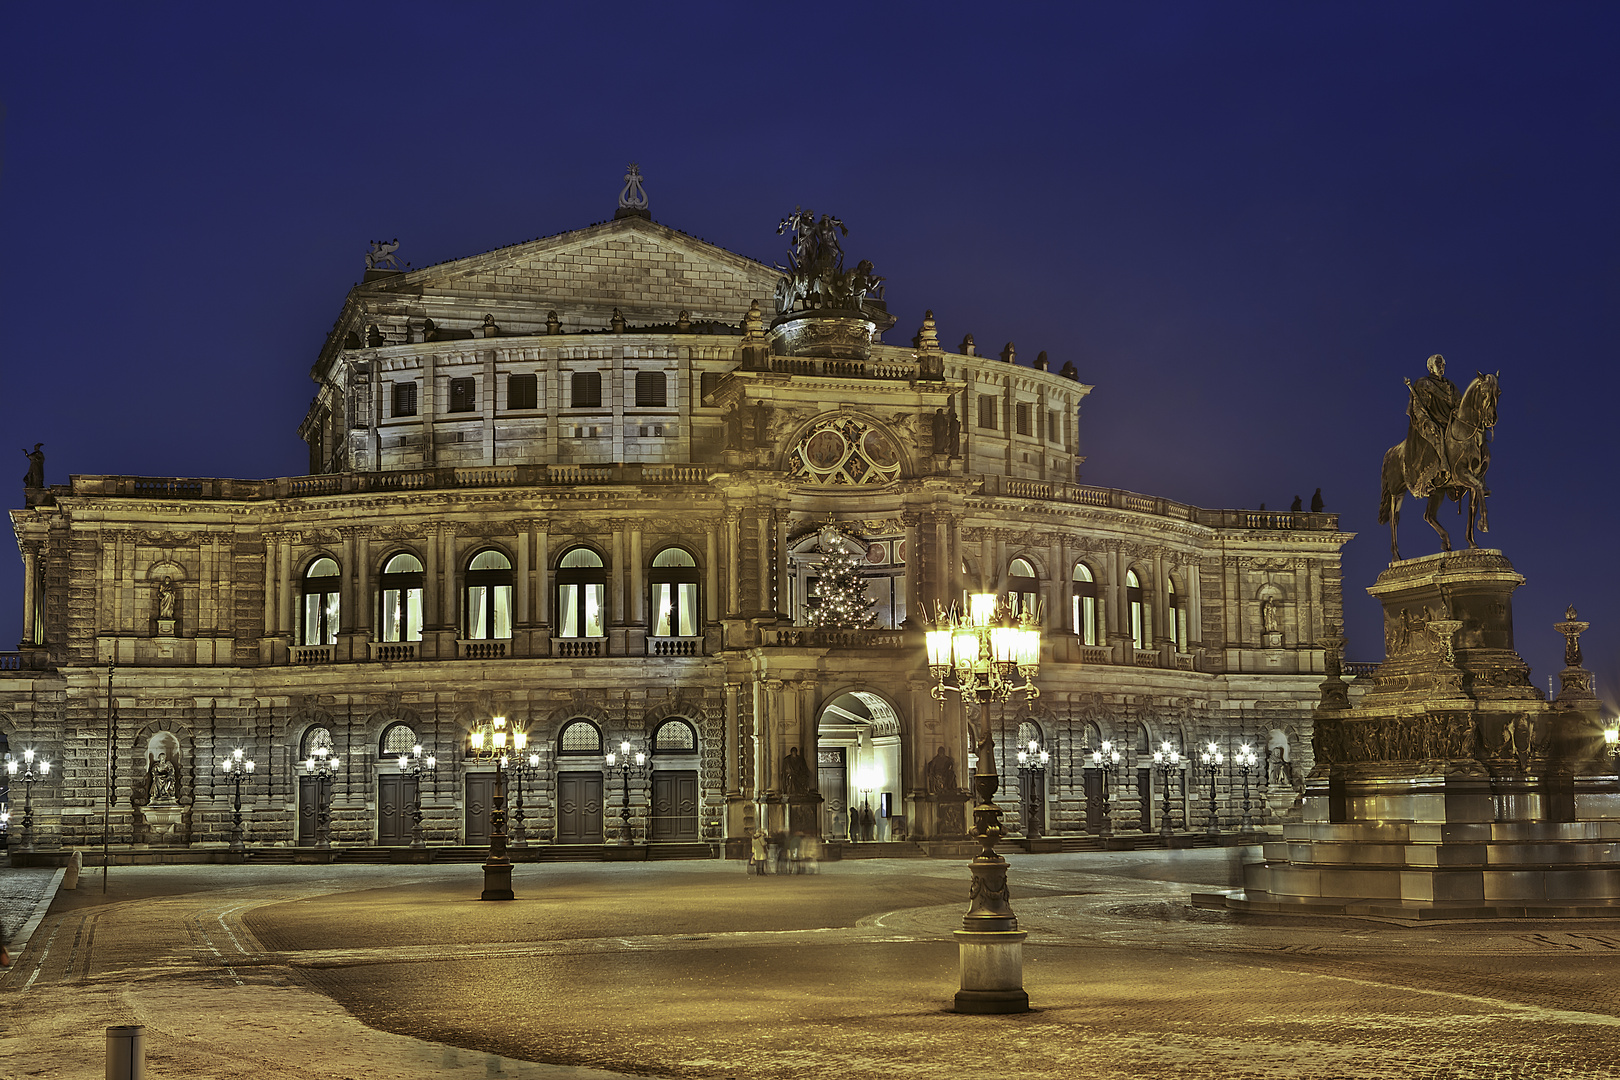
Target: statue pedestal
(162,821)
(165,627)
(1451,790)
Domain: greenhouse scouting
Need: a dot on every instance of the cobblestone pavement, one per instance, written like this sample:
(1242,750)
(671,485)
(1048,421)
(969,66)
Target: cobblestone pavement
(21,889)
(696,970)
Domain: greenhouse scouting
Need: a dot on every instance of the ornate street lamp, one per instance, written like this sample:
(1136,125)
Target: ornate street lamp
(1167,758)
(323,765)
(1213,759)
(415,766)
(622,760)
(1106,758)
(1246,759)
(489,743)
(868,778)
(1611,745)
(522,768)
(1032,772)
(237,769)
(980,657)
(28,793)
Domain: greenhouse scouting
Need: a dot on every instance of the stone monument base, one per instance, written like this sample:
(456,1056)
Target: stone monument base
(162,824)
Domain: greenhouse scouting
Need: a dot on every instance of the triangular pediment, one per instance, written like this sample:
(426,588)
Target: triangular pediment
(648,271)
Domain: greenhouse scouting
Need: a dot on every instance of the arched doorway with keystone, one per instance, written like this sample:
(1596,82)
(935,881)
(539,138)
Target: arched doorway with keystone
(858,767)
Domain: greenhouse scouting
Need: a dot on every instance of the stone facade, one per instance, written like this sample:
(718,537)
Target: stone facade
(638,464)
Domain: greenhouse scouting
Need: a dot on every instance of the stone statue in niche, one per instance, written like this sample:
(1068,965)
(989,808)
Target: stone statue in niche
(795,773)
(939,775)
(734,428)
(940,429)
(762,424)
(162,770)
(1270,615)
(166,599)
(35,476)
(953,432)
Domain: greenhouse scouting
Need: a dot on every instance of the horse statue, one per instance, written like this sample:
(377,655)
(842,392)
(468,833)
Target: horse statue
(1411,466)
(382,254)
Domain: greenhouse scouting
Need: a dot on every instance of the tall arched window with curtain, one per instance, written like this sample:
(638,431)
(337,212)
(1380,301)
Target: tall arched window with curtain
(489,596)
(1085,605)
(1023,591)
(581,594)
(674,583)
(1135,611)
(321,584)
(1176,608)
(400,591)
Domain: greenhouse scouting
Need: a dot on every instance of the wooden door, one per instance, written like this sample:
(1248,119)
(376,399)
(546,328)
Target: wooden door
(579,808)
(1032,796)
(310,790)
(832,781)
(480,800)
(1144,793)
(1094,800)
(675,805)
(395,797)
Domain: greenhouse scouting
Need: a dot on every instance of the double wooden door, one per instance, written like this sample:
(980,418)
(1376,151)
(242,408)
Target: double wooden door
(675,805)
(311,791)
(579,808)
(395,797)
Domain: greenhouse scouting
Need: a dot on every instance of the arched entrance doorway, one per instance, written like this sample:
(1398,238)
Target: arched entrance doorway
(858,768)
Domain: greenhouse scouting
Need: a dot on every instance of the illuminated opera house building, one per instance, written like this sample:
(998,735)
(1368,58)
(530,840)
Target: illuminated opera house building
(586,484)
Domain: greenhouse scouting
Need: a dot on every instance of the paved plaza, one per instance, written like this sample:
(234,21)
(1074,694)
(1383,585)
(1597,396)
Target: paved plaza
(699,970)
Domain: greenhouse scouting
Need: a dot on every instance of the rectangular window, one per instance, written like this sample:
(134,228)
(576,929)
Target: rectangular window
(709,383)
(579,609)
(987,411)
(522,392)
(652,390)
(402,615)
(585,390)
(405,399)
(463,395)
(1054,433)
(675,609)
(360,405)
(1024,427)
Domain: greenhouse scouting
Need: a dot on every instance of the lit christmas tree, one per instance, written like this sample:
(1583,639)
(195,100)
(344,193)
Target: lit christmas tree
(842,600)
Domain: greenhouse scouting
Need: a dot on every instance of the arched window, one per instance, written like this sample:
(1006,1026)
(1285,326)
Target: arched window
(580,737)
(674,583)
(1023,591)
(1136,614)
(321,582)
(1085,605)
(314,739)
(1176,609)
(489,596)
(581,594)
(675,737)
(401,593)
(397,739)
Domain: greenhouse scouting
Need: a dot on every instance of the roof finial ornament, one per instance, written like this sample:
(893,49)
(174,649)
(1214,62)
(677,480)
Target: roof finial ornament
(382,254)
(632,199)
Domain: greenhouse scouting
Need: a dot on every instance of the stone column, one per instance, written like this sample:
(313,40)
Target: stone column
(781,519)
(1161,601)
(450,612)
(945,567)
(542,566)
(616,574)
(916,594)
(1195,607)
(284,588)
(272,606)
(30,550)
(711,575)
(638,599)
(430,578)
(733,524)
(521,615)
(346,620)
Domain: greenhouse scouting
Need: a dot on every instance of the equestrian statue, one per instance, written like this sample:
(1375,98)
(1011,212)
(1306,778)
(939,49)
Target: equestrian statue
(1446,452)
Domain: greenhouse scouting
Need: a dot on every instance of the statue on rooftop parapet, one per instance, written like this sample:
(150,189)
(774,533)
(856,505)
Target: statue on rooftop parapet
(382,254)
(1446,452)
(815,276)
(35,476)
(632,196)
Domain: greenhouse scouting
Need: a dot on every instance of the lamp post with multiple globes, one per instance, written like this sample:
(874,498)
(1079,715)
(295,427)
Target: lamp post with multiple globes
(1032,772)
(489,743)
(1213,759)
(523,768)
(237,768)
(323,765)
(27,843)
(622,760)
(1246,759)
(414,765)
(981,656)
(1106,758)
(1168,758)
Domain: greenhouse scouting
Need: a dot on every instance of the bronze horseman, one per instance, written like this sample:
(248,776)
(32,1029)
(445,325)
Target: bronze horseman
(1446,452)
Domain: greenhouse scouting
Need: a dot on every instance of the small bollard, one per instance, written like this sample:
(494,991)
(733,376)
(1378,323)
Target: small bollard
(126,1053)
(70,880)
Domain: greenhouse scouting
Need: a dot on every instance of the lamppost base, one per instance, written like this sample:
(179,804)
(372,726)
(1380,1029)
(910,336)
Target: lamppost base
(497,881)
(992,970)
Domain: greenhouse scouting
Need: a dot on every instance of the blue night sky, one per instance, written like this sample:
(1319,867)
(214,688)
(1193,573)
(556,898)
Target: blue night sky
(1245,223)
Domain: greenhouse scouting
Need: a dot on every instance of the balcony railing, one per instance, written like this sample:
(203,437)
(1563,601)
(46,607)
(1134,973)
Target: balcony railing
(1118,499)
(1355,669)
(388,651)
(579,647)
(11,661)
(311,654)
(355,483)
(483,649)
(674,646)
(817,638)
